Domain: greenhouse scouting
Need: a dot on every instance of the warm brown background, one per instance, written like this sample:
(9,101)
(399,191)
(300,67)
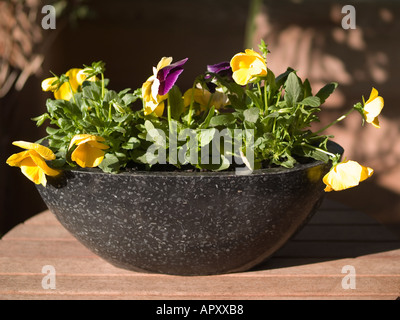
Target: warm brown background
(131,37)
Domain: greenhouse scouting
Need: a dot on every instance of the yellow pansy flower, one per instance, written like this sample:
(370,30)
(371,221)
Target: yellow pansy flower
(76,78)
(247,65)
(50,84)
(205,98)
(346,175)
(373,108)
(89,150)
(32,162)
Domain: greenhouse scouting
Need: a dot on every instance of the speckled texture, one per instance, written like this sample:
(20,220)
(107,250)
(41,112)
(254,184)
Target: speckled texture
(185,223)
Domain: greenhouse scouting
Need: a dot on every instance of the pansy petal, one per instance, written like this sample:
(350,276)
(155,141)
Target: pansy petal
(63,93)
(251,52)
(155,88)
(237,60)
(218,67)
(33,172)
(169,81)
(163,73)
(346,175)
(98,145)
(49,84)
(159,110)
(38,160)
(374,107)
(241,76)
(87,156)
(85,138)
(73,79)
(374,93)
(16,159)
(43,151)
(165,61)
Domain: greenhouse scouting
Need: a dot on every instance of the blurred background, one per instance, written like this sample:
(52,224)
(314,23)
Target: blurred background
(132,36)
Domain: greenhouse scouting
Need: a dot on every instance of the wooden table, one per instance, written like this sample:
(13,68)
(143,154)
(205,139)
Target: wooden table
(308,267)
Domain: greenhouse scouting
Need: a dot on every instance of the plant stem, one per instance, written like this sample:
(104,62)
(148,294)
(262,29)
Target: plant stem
(102,86)
(72,92)
(319,149)
(265,98)
(109,112)
(191,103)
(336,121)
(169,116)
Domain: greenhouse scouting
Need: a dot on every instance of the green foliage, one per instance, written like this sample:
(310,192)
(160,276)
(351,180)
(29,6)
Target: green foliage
(270,118)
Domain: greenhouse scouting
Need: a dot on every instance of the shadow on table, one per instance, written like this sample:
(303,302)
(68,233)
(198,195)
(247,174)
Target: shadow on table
(335,232)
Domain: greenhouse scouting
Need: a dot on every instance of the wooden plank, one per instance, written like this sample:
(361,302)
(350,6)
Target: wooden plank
(44,218)
(29,232)
(44,249)
(365,265)
(127,296)
(205,287)
(308,267)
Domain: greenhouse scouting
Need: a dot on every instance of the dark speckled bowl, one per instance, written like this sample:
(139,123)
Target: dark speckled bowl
(186,223)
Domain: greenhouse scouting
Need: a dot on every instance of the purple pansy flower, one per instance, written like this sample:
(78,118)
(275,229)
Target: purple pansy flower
(168,76)
(223,69)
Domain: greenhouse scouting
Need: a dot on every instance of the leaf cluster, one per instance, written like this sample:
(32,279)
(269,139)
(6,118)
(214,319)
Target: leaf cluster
(265,123)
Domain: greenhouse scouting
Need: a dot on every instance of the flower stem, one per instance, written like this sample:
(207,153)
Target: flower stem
(319,149)
(102,85)
(266,98)
(191,103)
(72,91)
(336,121)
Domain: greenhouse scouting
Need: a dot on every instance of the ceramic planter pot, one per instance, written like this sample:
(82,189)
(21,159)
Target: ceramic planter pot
(186,223)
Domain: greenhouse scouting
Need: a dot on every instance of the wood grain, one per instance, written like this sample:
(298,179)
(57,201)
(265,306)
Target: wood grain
(307,267)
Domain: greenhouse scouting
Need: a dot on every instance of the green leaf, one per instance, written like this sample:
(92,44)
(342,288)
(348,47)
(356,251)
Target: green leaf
(40,119)
(313,153)
(52,131)
(293,90)
(110,163)
(205,136)
(207,120)
(222,120)
(255,99)
(326,91)
(175,101)
(111,95)
(129,98)
(252,114)
(311,101)
(281,79)
(132,143)
(271,81)
(223,164)
(307,88)
(91,90)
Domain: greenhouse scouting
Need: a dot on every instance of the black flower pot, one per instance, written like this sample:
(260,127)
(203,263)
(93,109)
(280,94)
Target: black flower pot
(186,223)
